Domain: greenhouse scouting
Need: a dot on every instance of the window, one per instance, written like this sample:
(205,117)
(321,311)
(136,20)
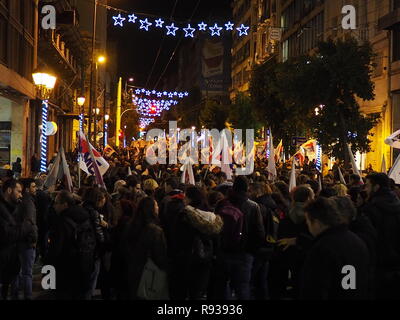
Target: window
(285,50)
(396,4)
(3,40)
(396,43)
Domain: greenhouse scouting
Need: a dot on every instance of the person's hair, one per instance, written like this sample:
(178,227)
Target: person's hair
(145,213)
(197,197)
(26,183)
(222,175)
(118,184)
(39,183)
(302,193)
(355,177)
(353,192)
(10,183)
(259,188)
(67,197)
(240,184)
(341,189)
(19,159)
(173,182)
(302,179)
(92,196)
(132,181)
(380,179)
(346,208)
(328,192)
(324,210)
(214,197)
(283,188)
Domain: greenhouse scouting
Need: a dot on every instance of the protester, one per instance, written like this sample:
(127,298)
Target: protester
(9,235)
(335,249)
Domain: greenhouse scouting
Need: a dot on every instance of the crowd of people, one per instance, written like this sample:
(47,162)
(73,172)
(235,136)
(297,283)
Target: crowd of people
(246,239)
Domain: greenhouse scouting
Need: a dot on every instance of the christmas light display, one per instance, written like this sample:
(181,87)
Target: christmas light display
(189,31)
(171,29)
(159,94)
(144,122)
(144,24)
(43,147)
(215,29)
(242,30)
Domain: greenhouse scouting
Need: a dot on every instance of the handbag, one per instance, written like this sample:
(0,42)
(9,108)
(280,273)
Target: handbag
(153,284)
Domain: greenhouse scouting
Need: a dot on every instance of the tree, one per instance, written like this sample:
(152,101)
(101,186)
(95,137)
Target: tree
(242,114)
(214,115)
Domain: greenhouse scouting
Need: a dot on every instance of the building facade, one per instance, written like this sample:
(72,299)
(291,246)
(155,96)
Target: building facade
(18,47)
(306,22)
(255,48)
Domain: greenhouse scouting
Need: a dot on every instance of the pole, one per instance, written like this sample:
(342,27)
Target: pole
(95,107)
(43,147)
(104,116)
(91,96)
(118,116)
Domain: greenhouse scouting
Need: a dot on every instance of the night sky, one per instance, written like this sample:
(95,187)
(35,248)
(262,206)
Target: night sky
(137,49)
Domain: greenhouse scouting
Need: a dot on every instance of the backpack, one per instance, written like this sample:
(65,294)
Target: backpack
(232,239)
(82,247)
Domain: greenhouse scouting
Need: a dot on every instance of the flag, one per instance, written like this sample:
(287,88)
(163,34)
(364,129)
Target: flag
(319,183)
(129,171)
(353,162)
(292,183)
(393,141)
(226,156)
(271,159)
(300,156)
(278,151)
(383,168)
(341,178)
(58,171)
(187,174)
(394,173)
(108,151)
(91,160)
(310,146)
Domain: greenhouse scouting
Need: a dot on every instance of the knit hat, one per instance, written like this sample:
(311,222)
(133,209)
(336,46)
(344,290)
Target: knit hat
(150,184)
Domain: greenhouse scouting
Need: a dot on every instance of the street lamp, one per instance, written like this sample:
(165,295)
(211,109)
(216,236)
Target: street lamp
(81,101)
(101,59)
(45,83)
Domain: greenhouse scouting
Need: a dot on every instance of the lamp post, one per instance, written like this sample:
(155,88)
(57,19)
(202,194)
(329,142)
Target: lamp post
(106,118)
(100,60)
(45,83)
(81,102)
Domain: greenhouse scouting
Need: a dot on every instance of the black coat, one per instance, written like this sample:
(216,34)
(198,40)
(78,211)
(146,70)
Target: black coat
(321,277)
(254,232)
(9,236)
(383,210)
(26,219)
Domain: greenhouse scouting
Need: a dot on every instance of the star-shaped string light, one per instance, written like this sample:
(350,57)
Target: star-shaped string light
(132,18)
(202,26)
(118,20)
(229,26)
(242,30)
(145,24)
(171,29)
(189,31)
(159,23)
(215,31)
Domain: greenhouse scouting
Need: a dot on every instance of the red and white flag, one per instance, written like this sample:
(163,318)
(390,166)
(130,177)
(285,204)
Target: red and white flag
(91,160)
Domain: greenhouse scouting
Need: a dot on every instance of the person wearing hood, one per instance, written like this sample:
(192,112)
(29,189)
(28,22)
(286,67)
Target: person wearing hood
(383,209)
(192,246)
(74,267)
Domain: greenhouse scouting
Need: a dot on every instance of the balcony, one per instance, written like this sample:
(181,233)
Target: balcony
(388,21)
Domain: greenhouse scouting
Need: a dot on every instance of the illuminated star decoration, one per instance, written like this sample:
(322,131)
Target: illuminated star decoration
(242,30)
(159,94)
(137,91)
(229,26)
(132,18)
(171,29)
(143,90)
(159,23)
(189,31)
(180,95)
(148,93)
(145,24)
(170,95)
(186,93)
(154,92)
(118,20)
(202,26)
(215,31)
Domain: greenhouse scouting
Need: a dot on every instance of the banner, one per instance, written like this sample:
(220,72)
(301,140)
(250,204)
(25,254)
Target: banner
(108,151)
(59,170)
(213,58)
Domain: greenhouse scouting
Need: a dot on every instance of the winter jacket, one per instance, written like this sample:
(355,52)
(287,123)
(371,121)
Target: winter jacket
(26,219)
(9,236)
(132,257)
(323,274)
(95,218)
(253,229)
(383,210)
